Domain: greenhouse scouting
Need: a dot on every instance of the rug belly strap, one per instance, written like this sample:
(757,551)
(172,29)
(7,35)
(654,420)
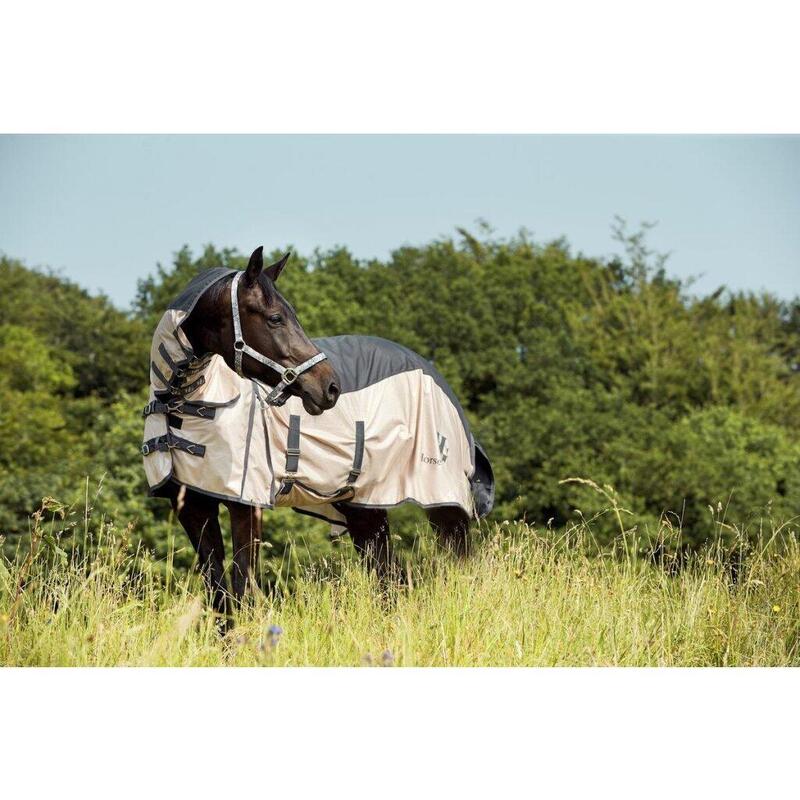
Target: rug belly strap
(358,455)
(292,453)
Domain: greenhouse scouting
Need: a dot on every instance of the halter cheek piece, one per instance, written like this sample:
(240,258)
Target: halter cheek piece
(278,396)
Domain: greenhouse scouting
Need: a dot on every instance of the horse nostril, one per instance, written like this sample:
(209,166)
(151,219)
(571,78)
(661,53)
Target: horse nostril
(333,392)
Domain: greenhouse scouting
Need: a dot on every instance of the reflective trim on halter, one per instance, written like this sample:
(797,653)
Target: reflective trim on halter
(288,374)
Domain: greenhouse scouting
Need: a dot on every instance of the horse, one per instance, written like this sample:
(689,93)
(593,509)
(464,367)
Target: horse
(230,351)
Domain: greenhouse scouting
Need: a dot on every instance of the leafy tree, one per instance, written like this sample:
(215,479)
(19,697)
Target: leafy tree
(104,348)
(567,366)
(38,446)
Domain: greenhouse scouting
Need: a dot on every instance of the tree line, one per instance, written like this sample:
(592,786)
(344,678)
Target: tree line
(567,366)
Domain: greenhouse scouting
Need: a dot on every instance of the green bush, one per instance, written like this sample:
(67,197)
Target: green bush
(721,459)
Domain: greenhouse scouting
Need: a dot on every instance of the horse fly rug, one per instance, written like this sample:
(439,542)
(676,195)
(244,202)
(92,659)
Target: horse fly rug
(397,433)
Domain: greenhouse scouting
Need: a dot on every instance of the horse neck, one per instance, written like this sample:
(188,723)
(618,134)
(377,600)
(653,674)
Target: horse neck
(205,324)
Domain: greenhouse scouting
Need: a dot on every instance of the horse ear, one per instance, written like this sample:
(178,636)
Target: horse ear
(274,270)
(254,266)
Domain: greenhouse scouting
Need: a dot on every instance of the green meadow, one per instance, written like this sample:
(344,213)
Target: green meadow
(527,596)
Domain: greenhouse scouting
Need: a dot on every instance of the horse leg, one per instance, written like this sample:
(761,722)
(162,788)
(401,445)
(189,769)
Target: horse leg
(451,525)
(246,535)
(369,530)
(199,515)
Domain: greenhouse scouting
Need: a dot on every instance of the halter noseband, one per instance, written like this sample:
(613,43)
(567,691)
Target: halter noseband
(277,396)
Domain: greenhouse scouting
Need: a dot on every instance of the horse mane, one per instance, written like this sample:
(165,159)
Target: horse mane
(217,290)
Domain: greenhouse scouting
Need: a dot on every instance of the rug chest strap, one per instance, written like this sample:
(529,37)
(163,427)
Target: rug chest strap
(179,406)
(175,384)
(190,387)
(169,441)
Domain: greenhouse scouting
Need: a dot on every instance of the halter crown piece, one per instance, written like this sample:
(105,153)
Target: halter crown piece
(278,396)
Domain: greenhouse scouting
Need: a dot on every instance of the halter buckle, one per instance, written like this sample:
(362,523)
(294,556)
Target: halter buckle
(238,344)
(289,376)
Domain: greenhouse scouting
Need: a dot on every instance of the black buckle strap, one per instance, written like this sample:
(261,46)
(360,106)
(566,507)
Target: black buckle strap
(177,368)
(177,405)
(197,364)
(293,444)
(159,374)
(358,455)
(190,387)
(292,452)
(167,442)
(180,371)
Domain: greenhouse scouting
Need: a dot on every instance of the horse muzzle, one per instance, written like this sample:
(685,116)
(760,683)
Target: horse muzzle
(320,393)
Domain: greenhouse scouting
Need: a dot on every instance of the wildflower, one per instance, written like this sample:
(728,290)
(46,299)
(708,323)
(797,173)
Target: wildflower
(388,658)
(274,632)
(366,660)
(776,608)
(4,618)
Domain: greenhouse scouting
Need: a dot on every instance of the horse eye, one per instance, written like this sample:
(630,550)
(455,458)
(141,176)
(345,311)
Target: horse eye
(275,319)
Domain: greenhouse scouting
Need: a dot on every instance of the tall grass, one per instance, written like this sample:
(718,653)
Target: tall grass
(527,597)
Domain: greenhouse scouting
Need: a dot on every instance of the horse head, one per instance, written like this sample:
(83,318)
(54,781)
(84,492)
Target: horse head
(269,336)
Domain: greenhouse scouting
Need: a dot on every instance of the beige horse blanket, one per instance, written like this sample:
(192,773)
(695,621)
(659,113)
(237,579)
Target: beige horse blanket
(397,433)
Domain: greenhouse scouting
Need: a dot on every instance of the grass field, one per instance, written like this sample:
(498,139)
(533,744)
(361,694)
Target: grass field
(526,597)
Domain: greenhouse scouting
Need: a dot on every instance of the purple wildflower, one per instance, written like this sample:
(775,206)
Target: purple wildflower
(274,632)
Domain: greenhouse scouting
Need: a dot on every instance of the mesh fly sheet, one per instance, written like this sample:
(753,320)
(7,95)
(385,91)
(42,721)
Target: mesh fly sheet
(397,433)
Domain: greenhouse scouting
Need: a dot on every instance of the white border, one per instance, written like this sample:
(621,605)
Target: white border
(395,733)
(421,65)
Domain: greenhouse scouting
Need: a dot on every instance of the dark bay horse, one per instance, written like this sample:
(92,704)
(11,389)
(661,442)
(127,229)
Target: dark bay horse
(275,341)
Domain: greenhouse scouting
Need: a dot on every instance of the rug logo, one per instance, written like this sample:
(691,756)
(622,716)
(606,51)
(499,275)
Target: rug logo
(443,451)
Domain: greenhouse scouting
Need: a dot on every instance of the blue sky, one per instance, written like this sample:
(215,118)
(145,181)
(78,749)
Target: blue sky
(104,209)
